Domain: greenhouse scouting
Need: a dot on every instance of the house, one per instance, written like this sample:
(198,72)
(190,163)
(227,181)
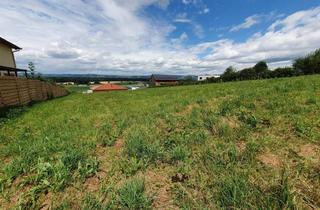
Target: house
(167,80)
(7,60)
(107,87)
(205,77)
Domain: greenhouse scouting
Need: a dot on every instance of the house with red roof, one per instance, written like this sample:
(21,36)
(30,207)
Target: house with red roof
(107,87)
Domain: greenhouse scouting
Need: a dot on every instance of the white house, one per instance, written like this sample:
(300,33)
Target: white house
(205,77)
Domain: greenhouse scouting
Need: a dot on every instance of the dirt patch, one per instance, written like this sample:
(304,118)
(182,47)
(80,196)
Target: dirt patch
(188,109)
(309,151)
(71,195)
(119,145)
(158,186)
(47,203)
(92,184)
(15,198)
(270,160)
(241,146)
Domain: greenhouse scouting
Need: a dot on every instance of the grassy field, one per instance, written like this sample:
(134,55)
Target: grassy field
(240,145)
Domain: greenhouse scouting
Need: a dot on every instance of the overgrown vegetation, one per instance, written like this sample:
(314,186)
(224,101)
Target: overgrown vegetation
(244,145)
(307,65)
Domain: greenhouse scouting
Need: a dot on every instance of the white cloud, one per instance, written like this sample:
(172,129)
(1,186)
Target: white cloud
(189,1)
(204,11)
(115,37)
(293,36)
(256,19)
(248,23)
(196,27)
(182,18)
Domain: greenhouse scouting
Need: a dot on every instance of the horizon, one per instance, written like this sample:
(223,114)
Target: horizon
(180,37)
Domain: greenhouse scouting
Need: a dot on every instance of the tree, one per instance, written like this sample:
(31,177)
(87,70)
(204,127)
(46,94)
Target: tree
(309,64)
(261,69)
(283,72)
(229,74)
(32,69)
(247,74)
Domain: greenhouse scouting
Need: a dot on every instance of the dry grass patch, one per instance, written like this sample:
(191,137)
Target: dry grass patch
(158,186)
(270,160)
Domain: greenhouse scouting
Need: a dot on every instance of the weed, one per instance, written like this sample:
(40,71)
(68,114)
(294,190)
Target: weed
(108,134)
(131,195)
(13,169)
(139,147)
(72,158)
(234,191)
(286,196)
(91,203)
(179,153)
(211,121)
(302,128)
(249,119)
(130,166)
(312,100)
(88,167)
(63,206)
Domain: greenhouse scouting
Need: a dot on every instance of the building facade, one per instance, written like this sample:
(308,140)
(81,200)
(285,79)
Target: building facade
(7,60)
(164,80)
(205,77)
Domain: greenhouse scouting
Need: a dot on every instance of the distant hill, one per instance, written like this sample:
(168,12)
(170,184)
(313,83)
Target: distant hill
(85,78)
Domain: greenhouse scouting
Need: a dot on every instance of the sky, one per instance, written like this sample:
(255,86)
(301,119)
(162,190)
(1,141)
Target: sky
(142,37)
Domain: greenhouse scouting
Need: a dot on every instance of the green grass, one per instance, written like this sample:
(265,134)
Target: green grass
(237,145)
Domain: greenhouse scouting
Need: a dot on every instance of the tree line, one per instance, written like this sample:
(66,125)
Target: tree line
(310,64)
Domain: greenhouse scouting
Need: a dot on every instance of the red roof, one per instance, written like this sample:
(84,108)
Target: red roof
(109,87)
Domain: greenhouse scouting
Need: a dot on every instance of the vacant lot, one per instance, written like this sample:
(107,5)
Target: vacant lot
(241,145)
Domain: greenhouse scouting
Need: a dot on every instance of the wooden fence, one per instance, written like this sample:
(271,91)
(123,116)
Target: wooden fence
(21,91)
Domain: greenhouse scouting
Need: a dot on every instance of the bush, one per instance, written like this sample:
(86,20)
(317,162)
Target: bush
(309,64)
(283,72)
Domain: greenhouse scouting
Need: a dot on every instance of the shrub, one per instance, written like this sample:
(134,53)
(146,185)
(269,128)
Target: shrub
(131,195)
(309,64)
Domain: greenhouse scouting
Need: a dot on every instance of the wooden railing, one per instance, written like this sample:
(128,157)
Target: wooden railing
(16,91)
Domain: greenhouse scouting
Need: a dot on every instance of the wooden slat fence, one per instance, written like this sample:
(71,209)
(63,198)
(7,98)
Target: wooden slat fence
(21,91)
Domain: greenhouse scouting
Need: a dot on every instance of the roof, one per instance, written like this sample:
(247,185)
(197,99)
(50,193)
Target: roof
(13,46)
(108,87)
(166,77)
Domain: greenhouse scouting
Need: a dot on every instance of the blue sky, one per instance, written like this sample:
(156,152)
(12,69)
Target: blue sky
(159,36)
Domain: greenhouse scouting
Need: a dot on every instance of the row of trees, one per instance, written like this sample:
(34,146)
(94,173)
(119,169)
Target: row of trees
(309,64)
